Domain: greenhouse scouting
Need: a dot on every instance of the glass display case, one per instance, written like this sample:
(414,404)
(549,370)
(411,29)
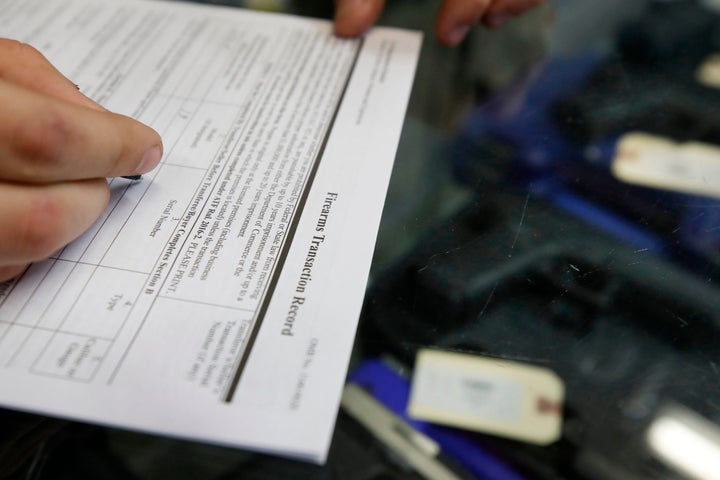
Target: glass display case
(555,203)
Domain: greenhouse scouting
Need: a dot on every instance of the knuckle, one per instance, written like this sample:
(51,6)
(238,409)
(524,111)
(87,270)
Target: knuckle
(41,230)
(25,50)
(40,144)
(15,48)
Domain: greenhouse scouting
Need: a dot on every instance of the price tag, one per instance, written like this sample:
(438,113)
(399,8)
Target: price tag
(657,162)
(488,395)
(708,73)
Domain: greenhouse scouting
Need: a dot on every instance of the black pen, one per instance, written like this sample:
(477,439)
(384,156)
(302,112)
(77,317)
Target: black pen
(132,177)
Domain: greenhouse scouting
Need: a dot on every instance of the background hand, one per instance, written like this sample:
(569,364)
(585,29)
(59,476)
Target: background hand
(454,20)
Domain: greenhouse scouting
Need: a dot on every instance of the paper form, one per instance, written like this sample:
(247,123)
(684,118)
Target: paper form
(216,298)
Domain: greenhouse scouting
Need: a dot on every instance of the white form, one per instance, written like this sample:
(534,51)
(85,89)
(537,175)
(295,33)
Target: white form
(217,297)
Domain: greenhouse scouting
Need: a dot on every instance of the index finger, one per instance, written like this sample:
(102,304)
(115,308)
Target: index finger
(353,17)
(44,139)
(502,10)
(456,17)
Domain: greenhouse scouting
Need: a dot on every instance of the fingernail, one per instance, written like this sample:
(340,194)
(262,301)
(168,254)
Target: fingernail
(150,160)
(457,34)
(498,20)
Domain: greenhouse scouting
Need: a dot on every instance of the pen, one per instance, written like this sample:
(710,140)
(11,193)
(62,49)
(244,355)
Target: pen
(132,177)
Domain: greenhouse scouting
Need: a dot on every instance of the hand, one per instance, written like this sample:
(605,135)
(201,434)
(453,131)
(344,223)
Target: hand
(56,149)
(454,20)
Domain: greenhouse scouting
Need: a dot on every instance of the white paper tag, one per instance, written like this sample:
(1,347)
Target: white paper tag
(653,161)
(708,73)
(488,395)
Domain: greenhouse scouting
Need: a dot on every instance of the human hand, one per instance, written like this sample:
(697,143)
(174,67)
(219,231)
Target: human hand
(56,149)
(454,20)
